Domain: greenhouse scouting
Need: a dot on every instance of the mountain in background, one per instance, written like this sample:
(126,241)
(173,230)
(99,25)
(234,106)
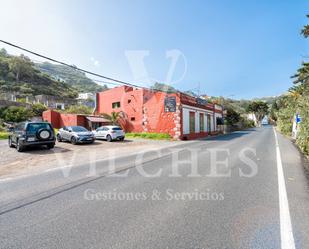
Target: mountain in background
(18,74)
(70,76)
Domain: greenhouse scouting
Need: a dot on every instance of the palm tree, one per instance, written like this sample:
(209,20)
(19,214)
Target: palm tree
(113,117)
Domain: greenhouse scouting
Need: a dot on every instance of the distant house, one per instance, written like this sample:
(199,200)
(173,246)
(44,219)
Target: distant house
(55,102)
(86,96)
(86,99)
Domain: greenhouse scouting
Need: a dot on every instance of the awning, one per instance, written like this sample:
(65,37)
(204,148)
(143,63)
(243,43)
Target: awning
(98,120)
(220,121)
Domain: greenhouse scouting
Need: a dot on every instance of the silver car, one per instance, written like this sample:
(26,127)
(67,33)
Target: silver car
(109,133)
(75,135)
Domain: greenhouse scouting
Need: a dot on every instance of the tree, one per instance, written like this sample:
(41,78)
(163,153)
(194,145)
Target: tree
(259,109)
(113,117)
(163,87)
(16,114)
(232,117)
(38,109)
(3,52)
(305,30)
(21,66)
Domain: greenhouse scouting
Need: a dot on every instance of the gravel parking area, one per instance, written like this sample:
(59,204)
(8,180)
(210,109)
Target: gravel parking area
(34,160)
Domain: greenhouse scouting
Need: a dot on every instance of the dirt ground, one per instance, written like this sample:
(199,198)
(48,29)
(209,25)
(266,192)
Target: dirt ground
(65,154)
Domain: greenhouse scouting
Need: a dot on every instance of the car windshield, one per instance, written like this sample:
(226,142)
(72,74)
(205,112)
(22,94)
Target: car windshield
(78,129)
(116,129)
(33,127)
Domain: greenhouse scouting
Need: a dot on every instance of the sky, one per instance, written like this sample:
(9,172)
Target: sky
(230,48)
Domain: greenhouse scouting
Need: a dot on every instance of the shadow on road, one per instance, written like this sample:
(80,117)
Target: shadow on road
(227,137)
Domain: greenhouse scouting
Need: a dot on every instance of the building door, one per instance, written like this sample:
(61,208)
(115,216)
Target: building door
(192,122)
(202,122)
(208,123)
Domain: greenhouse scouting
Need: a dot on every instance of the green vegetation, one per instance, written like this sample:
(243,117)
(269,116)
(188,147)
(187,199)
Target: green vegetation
(70,76)
(15,114)
(38,109)
(18,74)
(3,135)
(149,135)
(296,101)
(79,109)
(113,117)
(259,108)
(163,87)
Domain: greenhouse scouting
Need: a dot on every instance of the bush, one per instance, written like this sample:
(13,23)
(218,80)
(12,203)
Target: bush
(38,109)
(16,114)
(3,135)
(149,135)
(79,109)
(247,123)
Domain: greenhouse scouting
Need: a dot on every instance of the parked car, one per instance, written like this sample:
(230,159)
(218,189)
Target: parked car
(27,134)
(109,133)
(75,135)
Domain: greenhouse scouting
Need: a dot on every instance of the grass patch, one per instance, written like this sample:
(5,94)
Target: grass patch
(3,135)
(149,135)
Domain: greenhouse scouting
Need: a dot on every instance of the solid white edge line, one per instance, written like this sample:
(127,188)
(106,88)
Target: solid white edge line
(286,230)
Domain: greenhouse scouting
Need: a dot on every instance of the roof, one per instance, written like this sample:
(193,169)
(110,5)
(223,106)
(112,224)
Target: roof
(98,119)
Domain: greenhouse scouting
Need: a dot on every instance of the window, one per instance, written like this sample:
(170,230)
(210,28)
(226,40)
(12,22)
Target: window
(129,101)
(115,105)
(201,122)
(78,129)
(132,118)
(192,122)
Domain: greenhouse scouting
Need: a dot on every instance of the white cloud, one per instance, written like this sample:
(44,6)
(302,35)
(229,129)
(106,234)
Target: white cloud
(95,62)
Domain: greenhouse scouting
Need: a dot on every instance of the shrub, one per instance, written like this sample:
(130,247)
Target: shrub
(79,109)
(3,135)
(38,109)
(149,135)
(16,114)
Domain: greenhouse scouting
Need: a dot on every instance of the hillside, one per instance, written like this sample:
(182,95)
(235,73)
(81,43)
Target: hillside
(19,74)
(70,76)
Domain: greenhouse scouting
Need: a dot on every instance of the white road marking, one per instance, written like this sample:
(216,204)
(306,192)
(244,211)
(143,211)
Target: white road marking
(286,230)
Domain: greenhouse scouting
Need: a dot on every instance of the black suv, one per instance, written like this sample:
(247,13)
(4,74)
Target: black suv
(27,134)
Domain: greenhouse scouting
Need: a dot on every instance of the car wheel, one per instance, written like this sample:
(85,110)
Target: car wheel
(59,139)
(50,146)
(121,139)
(109,138)
(10,143)
(19,147)
(73,140)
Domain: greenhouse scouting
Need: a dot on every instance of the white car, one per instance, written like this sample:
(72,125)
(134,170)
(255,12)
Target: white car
(109,133)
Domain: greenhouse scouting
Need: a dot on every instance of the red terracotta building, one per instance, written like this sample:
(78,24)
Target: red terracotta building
(178,114)
(59,120)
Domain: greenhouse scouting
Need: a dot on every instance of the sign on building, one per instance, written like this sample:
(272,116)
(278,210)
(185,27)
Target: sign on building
(170,104)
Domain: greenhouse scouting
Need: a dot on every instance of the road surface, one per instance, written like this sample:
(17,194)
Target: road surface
(248,207)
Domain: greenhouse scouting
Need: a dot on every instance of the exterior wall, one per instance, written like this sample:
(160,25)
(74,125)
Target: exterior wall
(59,120)
(186,122)
(143,110)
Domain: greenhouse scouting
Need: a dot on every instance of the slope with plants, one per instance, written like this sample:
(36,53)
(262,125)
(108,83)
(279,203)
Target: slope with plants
(18,74)
(72,77)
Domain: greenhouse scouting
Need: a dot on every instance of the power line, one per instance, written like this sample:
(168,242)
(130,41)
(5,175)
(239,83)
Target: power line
(115,81)
(65,64)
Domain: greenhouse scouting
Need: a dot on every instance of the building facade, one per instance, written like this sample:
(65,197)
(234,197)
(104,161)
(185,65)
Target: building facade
(180,115)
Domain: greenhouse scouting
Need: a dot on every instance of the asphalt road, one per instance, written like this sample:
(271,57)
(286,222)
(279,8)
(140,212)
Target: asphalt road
(238,210)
